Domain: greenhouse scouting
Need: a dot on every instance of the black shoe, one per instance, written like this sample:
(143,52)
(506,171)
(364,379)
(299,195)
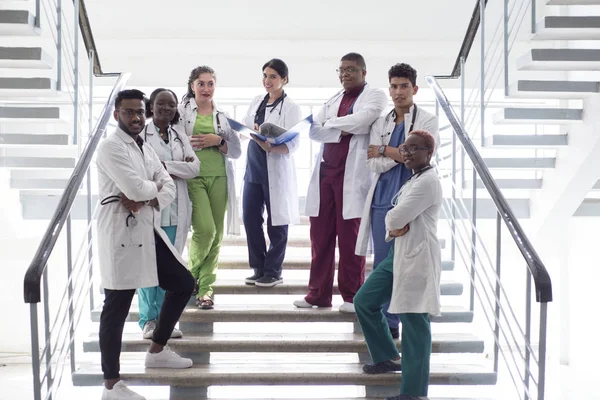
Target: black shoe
(381,368)
(251,280)
(406,397)
(395,332)
(268,281)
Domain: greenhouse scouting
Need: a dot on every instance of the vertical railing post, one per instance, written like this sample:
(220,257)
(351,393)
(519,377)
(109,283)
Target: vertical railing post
(70,294)
(90,237)
(462,119)
(76,73)
(506,77)
(35,351)
(58,45)
(498,293)
(453,224)
(46,300)
(527,334)
(542,351)
(533,15)
(37,23)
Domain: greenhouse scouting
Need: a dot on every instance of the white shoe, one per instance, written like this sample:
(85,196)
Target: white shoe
(176,334)
(302,304)
(149,329)
(167,358)
(347,308)
(121,392)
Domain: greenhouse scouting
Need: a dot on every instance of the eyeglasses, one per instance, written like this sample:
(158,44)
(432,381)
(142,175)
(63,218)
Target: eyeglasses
(130,112)
(350,70)
(411,150)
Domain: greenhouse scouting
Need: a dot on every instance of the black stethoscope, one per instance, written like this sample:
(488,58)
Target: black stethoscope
(412,178)
(177,138)
(263,105)
(393,113)
(130,220)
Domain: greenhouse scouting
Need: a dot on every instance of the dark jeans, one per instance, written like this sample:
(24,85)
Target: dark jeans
(172,277)
(264,262)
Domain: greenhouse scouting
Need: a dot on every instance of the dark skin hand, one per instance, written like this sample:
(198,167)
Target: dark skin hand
(134,206)
(399,232)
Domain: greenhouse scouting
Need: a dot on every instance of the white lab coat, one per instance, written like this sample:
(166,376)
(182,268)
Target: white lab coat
(327,128)
(281,168)
(417,254)
(187,110)
(181,171)
(379,136)
(127,254)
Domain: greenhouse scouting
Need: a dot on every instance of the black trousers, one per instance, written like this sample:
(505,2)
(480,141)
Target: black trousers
(264,262)
(172,277)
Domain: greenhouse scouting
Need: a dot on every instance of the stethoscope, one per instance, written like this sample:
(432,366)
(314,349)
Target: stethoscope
(130,220)
(220,130)
(264,104)
(412,179)
(393,113)
(339,94)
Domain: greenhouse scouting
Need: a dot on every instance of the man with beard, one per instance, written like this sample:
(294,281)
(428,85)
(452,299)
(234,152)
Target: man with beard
(134,251)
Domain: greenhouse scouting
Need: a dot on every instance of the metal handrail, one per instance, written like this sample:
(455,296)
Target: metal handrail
(541,278)
(33,276)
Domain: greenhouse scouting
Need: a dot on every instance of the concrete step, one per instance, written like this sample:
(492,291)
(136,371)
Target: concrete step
(34,184)
(285,343)
(588,208)
(35,162)
(560,60)
(534,89)
(17,23)
(34,139)
(25,57)
(572,2)
(26,87)
(134,373)
(229,262)
(300,287)
(520,163)
(568,28)
(509,184)
(30,114)
(521,141)
(281,313)
(551,116)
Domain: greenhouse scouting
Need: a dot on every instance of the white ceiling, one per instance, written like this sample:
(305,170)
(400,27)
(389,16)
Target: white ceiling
(161,42)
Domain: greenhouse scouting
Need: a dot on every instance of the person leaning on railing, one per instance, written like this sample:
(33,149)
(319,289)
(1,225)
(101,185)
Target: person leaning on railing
(177,156)
(409,277)
(134,251)
(213,191)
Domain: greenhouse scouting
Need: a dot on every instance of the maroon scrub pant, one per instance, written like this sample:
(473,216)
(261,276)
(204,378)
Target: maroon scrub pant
(323,232)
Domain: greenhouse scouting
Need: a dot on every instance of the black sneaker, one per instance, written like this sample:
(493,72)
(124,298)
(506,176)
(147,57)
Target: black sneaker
(395,332)
(268,281)
(381,368)
(406,397)
(251,280)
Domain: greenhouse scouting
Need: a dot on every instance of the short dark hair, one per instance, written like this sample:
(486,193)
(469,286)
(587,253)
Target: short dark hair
(129,94)
(279,66)
(153,95)
(357,58)
(403,71)
(194,74)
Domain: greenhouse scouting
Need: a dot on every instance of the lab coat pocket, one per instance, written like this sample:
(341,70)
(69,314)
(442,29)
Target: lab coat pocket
(414,251)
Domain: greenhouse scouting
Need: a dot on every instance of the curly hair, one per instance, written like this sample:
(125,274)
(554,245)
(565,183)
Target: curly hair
(194,74)
(150,102)
(403,71)
(427,137)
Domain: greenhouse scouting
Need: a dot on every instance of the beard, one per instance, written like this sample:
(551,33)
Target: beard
(128,131)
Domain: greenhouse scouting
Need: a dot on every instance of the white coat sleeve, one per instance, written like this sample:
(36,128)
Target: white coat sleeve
(432,126)
(234,146)
(294,115)
(382,164)
(359,122)
(249,118)
(320,134)
(184,169)
(113,159)
(166,194)
(422,194)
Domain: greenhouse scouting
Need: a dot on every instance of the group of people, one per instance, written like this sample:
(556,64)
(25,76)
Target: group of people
(159,178)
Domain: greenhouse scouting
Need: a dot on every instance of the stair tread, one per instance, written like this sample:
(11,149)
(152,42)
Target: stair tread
(286,342)
(229,374)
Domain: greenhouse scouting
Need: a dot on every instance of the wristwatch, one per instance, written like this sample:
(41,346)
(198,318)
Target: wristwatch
(382,149)
(222,142)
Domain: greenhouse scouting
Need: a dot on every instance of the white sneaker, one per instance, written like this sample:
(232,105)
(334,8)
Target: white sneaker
(347,308)
(121,392)
(167,359)
(148,330)
(302,304)
(176,334)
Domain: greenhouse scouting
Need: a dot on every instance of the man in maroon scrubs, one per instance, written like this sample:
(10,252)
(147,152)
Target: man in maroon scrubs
(339,184)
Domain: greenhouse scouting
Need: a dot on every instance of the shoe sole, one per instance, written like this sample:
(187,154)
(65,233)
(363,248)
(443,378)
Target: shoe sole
(268,284)
(168,366)
(249,282)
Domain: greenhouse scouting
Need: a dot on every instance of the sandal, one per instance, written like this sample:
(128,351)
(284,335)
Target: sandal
(205,303)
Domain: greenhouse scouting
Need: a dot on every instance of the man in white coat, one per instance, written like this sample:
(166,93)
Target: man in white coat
(387,133)
(339,184)
(134,251)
